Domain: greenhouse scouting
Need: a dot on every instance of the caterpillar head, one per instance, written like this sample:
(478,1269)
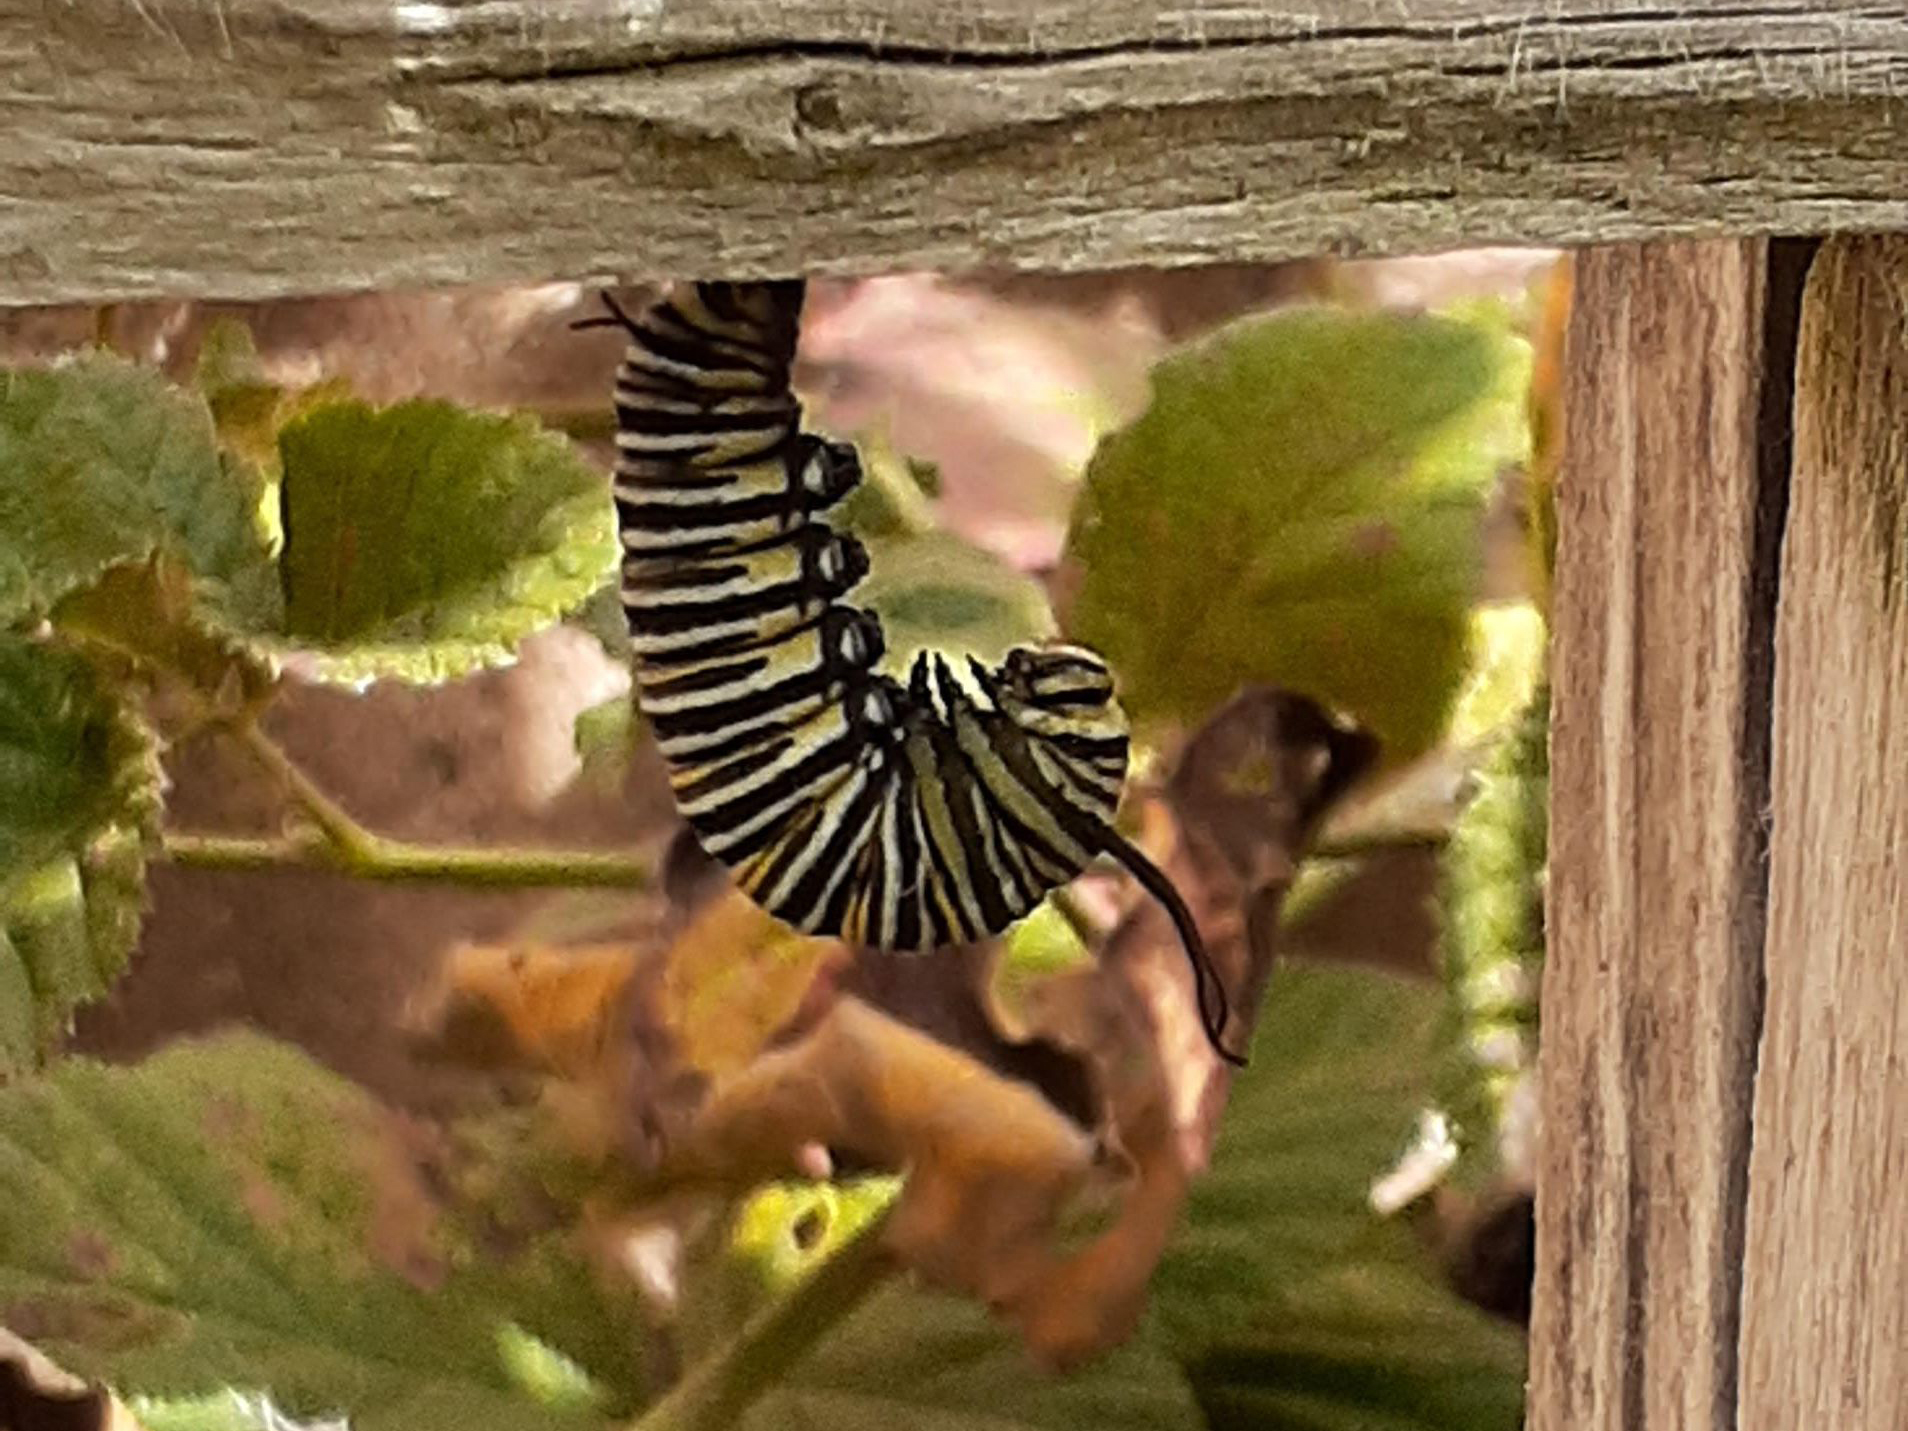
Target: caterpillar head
(1056,689)
(1061,697)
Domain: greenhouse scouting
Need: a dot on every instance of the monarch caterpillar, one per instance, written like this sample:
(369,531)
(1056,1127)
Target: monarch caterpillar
(905,816)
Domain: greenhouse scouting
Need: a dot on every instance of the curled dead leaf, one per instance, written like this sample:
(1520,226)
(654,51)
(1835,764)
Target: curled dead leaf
(1248,791)
(990,1164)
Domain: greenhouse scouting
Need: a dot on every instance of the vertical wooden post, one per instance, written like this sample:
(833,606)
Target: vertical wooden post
(1669,509)
(1825,1293)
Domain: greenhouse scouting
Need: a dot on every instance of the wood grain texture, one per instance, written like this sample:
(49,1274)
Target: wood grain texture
(1825,1330)
(255,148)
(1669,498)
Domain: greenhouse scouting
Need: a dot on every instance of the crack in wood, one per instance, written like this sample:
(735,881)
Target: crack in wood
(1615,31)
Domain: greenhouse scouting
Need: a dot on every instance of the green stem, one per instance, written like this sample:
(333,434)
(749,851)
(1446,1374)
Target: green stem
(337,842)
(714,1393)
(711,1397)
(353,843)
(376,858)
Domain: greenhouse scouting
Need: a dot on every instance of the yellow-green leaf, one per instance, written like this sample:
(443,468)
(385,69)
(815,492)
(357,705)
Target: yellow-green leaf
(79,790)
(152,615)
(1300,505)
(917,1359)
(908,1357)
(423,541)
(73,758)
(1492,900)
(67,930)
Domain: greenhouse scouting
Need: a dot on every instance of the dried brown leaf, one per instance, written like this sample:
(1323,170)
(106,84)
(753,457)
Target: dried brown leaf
(1247,794)
(990,1163)
(733,980)
(532,1007)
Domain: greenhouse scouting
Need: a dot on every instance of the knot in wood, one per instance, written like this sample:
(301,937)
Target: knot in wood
(818,106)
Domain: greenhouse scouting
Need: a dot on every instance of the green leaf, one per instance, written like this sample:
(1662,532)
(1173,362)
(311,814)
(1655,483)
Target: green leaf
(1038,947)
(244,402)
(929,1362)
(939,592)
(606,737)
(67,931)
(602,616)
(151,614)
(1045,942)
(228,360)
(229,1214)
(19,1031)
(546,1373)
(248,408)
(1292,1304)
(1492,899)
(763,1246)
(906,1357)
(74,760)
(1508,648)
(423,542)
(221,1411)
(783,1231)
(1301,505)
(894,497)
(79,797)
(106,462)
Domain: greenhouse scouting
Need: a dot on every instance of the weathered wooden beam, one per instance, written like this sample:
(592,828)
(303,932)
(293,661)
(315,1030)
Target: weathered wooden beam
(1825,1287)
(255,148)
(1670,501)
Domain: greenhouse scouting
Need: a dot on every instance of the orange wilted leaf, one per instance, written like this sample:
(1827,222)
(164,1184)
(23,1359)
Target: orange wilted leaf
(547,1008)
(733,979)
(990,1163)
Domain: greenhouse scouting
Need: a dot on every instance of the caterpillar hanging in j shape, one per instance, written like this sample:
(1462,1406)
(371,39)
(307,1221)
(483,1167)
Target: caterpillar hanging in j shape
(903,816)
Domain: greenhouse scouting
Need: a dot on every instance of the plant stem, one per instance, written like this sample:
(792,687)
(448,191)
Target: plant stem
(335,841)
(712,1395)
(396,861)
(352,841)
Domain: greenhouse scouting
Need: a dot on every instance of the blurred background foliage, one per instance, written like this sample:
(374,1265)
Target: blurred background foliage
(311,707)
